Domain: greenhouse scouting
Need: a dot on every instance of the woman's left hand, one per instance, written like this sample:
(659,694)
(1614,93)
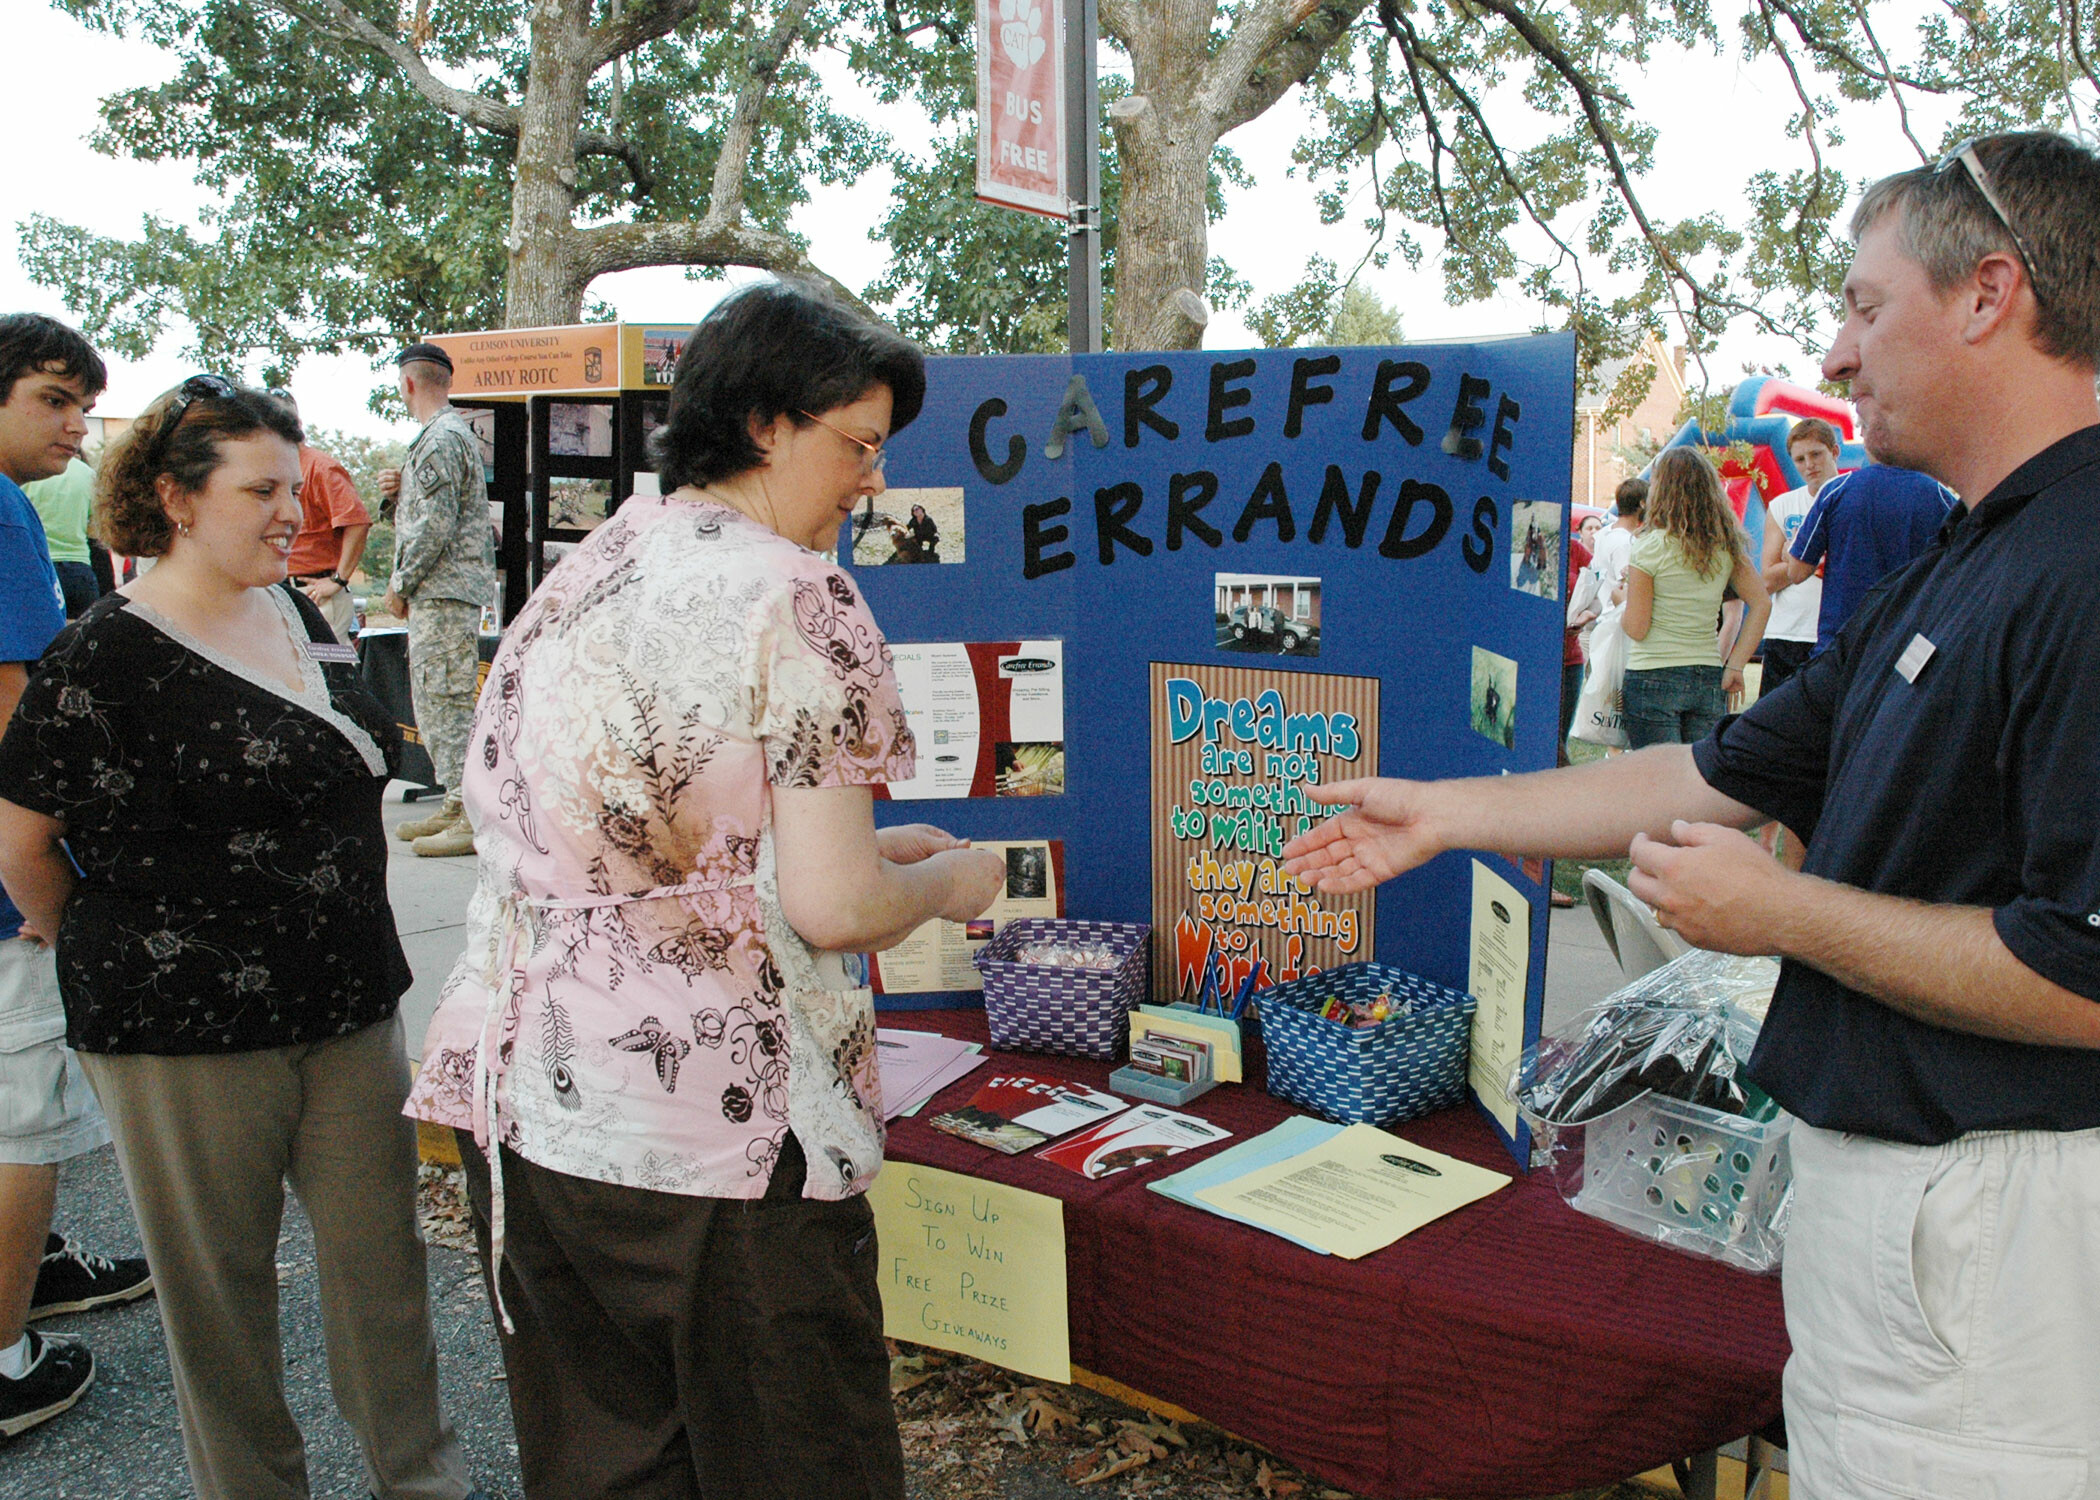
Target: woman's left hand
(908,843)
(1732,685)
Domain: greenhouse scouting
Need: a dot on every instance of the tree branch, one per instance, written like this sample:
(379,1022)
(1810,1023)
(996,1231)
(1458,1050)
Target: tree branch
(1815,41)
(1276,45)
(338,22)
(1800,233)
(725,200)
(703,242)
(902,32)
(635,28)
(1859,9)
(1411,48)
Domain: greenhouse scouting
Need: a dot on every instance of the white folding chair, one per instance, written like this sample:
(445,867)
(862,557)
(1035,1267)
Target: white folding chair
(1636,939)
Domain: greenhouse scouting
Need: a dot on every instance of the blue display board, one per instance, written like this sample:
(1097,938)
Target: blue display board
(1103,496)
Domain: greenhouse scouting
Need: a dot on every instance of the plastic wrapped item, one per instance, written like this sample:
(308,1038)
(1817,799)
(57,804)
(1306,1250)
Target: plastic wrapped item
(1682,1031)
(1640,1109)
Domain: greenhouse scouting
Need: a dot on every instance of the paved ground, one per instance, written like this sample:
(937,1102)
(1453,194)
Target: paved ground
(124,1440)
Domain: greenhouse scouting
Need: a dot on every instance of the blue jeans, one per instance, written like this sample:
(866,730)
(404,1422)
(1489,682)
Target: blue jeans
(1672,705)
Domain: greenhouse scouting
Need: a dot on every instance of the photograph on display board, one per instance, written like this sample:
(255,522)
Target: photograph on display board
(1266,614)
(483,421)
(660,351)
(1534,548)
(577,429)
(1494,695)
(1029,770)
(912,526)
(654,414)
(1238,757)
(578,504)
(1027,871)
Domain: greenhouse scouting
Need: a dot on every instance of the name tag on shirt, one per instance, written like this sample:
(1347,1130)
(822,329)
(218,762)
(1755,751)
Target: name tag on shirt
(337,651)
(1914,657)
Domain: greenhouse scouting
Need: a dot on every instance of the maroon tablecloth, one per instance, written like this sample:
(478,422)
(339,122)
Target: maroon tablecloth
(1514,1348)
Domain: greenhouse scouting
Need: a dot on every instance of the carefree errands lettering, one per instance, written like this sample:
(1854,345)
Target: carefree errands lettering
(1419,517)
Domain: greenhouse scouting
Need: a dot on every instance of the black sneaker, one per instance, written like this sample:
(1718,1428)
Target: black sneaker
(72,1280)
(60,1372)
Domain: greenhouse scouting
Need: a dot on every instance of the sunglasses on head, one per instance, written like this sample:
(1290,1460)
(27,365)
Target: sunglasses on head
(1965,156)
(206,387)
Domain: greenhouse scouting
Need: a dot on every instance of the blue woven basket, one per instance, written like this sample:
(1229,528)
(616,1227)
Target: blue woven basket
(1076,1012)
(1404,1067)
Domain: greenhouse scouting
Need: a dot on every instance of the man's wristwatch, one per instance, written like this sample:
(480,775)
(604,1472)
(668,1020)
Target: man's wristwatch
(339,580)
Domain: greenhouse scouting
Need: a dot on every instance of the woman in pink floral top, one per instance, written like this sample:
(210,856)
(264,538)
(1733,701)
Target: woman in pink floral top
(670,773)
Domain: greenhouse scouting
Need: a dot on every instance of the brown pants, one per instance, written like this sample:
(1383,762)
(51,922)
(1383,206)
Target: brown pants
(206,1145)
(672,1348)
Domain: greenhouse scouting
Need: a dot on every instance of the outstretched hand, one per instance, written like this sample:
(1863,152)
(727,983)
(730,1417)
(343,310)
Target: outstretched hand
(1385,832)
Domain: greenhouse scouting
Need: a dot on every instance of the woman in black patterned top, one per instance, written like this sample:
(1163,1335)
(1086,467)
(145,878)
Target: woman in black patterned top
(226,953)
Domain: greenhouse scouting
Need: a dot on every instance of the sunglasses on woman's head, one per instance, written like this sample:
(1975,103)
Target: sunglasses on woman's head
(209,387)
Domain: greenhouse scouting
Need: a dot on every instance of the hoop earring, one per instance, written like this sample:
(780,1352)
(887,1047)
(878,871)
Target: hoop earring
(183,527)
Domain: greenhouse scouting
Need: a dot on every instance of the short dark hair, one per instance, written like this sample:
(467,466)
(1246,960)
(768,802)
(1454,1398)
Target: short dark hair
(1631,496)
(779,348)
(2048,184)
(128,515)
(32,343)
(1813,430)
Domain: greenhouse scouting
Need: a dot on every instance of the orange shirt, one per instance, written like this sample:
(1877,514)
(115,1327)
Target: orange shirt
(331,503)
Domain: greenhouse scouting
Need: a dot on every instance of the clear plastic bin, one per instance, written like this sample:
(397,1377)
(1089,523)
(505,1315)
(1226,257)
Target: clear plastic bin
(1715,1184)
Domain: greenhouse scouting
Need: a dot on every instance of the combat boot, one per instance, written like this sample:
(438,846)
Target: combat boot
(449,811)
(456,837)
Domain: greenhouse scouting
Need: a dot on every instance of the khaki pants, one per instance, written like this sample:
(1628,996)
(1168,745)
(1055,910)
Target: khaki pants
(206,1145)
(444,678)
(1945,1322)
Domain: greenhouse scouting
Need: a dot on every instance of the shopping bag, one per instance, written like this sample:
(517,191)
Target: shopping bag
(1584,599)
(1597,711)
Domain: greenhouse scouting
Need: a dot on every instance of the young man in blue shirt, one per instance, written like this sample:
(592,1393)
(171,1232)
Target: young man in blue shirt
(49,378)
(1936,1026)
(1864,526)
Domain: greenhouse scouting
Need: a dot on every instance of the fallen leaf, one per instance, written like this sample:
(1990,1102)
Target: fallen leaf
(1273,1484)
(1121,1465)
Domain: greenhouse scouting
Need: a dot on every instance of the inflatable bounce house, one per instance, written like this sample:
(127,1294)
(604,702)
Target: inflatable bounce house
(1761,411)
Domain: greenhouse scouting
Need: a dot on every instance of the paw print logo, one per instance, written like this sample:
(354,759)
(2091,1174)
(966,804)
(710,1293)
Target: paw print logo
(1021,31)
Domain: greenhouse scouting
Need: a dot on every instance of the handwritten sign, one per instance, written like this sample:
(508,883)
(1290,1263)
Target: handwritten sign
(975,1267)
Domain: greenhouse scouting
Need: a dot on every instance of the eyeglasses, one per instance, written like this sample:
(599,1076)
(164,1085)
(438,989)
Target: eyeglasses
(1970,162)
(872,455)
(210,387)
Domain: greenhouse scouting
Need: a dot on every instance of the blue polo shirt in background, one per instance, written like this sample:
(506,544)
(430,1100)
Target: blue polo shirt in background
(1868,523)
(1947,749)
(32,608)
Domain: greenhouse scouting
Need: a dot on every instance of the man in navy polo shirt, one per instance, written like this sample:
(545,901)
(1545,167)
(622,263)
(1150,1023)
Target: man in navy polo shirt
(1936,1028)
(1863,527)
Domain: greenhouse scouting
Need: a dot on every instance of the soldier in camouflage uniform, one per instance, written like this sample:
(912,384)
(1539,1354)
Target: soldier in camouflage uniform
(444,572)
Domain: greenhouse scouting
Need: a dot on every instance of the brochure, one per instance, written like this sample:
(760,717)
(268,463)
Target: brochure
(1294,1135)
(917,1064)
(1015,1113)
(1146,1133)
(1354,1193)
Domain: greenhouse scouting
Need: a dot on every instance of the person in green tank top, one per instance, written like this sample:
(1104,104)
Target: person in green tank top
(1691,554)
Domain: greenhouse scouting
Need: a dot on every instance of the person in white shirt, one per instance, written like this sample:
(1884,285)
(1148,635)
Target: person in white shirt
(1791,635)
(1613,548)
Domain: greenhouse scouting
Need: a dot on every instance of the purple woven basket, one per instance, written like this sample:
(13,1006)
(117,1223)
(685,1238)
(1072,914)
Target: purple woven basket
(1075,1012)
